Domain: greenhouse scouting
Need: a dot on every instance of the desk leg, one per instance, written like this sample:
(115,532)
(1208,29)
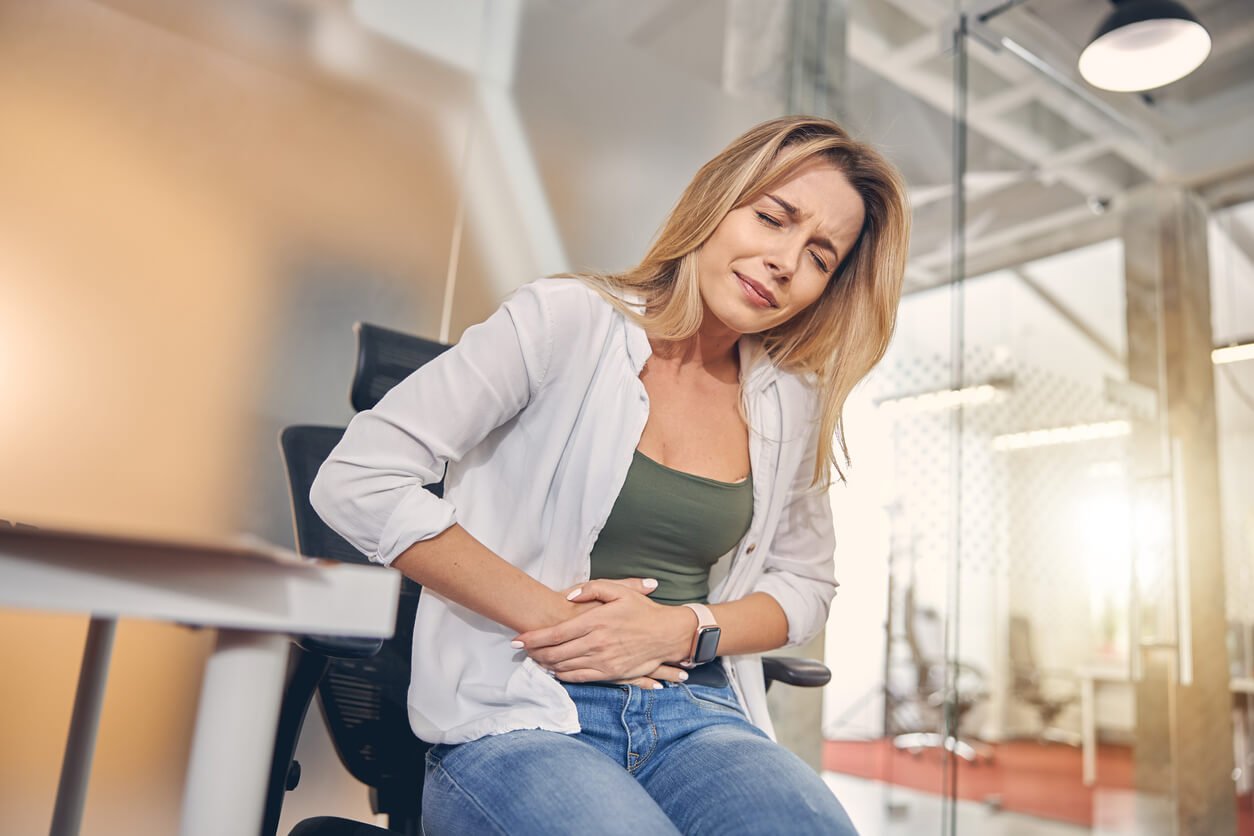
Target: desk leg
(1088,730)
(1241,744)
(234,738)
(80,745)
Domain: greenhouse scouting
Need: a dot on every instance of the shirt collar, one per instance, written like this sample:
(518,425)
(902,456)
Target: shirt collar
(757,369)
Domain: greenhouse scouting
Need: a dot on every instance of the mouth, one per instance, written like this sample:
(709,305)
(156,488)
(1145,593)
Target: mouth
(757,292)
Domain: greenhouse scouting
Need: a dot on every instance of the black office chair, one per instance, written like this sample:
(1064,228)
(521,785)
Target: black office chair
(362,683)
(1048,692)
(922,711)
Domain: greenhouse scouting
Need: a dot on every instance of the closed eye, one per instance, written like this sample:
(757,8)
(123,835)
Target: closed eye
(772,222)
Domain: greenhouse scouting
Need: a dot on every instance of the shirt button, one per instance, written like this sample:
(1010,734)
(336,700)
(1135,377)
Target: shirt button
(752,546)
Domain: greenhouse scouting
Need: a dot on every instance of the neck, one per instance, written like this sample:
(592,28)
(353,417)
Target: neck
(713,347)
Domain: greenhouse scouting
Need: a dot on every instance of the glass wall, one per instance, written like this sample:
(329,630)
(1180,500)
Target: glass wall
(1037,489)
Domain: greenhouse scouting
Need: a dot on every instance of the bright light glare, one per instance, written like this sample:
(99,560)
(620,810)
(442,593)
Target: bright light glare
(1105,523)
(1232,354)
(940,401)
(1061,435)
(1145,55)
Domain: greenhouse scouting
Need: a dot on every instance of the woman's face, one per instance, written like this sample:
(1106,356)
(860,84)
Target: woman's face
(772,258)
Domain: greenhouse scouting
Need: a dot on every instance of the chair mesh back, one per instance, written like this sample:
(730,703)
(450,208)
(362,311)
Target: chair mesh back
(385,358)
(305,448)
(363,700)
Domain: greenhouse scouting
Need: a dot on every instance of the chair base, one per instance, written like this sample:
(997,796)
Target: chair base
(916,742)
(334,826)
(1056,735)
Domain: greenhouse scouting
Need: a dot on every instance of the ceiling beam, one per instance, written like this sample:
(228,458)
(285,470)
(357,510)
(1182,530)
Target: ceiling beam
(1137,151)
(1068,229)
(869,49)
(1069,316)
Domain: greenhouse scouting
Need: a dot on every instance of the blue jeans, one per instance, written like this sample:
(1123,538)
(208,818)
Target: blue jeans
(682,759)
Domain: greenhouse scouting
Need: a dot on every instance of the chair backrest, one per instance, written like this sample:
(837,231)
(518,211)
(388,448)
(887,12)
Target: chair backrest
(925,636)
(1025,676)
(305,448)
(364,701)
(385,358)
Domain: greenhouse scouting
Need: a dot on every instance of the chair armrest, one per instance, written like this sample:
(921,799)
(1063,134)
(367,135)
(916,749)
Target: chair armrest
(340,647)
(792,670)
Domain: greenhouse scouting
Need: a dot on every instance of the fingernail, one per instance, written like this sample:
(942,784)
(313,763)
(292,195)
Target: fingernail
(516,644)
(657,686)
(649,583)
(682,676)
(574,593)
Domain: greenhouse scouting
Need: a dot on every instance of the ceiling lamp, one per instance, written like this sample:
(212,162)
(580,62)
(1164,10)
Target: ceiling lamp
(1144,44)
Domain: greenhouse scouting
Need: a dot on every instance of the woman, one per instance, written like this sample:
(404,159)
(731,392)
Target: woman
(622,451)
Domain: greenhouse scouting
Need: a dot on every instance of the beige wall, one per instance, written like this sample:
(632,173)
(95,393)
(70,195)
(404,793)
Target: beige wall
(160,174)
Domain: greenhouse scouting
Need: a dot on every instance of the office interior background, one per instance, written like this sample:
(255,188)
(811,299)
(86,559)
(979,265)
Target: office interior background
(1046,543)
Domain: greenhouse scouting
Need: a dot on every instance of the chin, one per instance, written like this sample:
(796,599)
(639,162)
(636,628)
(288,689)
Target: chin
(746,321)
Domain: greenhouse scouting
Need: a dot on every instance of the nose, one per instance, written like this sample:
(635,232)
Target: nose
(784,260)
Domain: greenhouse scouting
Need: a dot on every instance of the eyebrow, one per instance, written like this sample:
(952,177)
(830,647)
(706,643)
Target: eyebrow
(794,212)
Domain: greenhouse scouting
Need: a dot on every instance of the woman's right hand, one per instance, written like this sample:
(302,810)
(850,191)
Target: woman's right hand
(645,586)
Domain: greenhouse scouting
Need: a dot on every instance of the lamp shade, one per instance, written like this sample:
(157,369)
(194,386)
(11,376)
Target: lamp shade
(1143,44)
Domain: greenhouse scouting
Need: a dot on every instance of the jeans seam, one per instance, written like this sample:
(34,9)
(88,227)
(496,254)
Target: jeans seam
(622,717)
(647,698)
(474,801)
(707,705)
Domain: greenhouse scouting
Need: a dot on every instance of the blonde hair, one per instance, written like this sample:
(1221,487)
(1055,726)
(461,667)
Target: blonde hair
(838,339)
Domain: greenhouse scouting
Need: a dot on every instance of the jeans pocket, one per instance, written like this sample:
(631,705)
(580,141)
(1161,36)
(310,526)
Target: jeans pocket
(436,754)
(722,700)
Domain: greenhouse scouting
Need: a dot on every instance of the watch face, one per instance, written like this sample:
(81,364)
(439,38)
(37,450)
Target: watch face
(707,645)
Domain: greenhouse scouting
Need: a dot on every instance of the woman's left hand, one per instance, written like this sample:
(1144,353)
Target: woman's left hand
(626,638)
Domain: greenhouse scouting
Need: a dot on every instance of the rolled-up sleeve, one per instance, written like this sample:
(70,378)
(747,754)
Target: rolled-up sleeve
(799,570)
(371,488)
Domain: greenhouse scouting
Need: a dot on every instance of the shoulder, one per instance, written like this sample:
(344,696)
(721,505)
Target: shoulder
(561,322)
(562,305)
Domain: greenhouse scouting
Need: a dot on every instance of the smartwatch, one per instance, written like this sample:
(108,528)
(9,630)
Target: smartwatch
(705,639)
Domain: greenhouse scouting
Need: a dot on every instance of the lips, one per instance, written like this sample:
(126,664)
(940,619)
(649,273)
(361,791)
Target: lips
(757,291)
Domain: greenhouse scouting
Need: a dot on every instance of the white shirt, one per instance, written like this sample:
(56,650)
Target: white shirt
(537,412)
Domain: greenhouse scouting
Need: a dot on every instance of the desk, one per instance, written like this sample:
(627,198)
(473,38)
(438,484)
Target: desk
(254,595)
(1090,677)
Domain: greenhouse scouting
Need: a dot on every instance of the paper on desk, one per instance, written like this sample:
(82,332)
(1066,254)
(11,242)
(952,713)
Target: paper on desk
(240,545)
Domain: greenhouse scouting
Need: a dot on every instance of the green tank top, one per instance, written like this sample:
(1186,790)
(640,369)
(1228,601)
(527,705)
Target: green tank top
(672,526)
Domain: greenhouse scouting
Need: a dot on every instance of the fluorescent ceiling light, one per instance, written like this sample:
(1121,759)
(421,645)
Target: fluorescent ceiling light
(1062,435)
(941,400)
(1233,353)
(1144,44)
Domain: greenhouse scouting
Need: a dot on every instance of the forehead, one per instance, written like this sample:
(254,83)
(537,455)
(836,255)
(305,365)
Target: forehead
(821,192)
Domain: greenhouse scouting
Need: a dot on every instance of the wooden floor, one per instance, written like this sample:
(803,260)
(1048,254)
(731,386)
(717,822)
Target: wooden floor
(1036,779)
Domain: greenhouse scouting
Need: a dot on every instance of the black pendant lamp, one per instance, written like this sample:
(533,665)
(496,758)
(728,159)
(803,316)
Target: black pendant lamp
(1143,44)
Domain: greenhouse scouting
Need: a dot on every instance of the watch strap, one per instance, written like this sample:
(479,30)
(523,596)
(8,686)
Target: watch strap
(705,620)
(705,616)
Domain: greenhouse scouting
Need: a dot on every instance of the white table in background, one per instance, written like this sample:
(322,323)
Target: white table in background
(1090,676)
(254,595)
(1243,685)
